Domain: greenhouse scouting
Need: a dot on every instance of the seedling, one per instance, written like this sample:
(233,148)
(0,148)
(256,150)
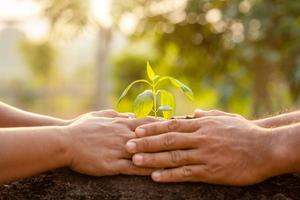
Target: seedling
(155,100)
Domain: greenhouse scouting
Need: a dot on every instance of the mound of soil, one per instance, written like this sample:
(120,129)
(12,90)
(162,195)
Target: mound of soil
(65,184)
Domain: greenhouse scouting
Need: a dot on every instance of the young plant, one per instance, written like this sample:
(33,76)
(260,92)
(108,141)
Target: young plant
(156,100)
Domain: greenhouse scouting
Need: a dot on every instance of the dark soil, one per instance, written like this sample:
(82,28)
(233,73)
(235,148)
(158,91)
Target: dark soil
(65,184)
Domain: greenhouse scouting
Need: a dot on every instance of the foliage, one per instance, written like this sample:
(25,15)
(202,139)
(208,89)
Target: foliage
(244,50)
(41,58)
(155,99)
(67,17)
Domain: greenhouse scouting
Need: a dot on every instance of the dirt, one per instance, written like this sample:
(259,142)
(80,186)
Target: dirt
(65,184)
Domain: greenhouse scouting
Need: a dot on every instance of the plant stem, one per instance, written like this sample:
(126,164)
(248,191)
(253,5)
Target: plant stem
(154,100)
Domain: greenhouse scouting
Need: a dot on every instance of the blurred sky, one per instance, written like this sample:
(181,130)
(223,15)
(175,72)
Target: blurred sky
(27,14)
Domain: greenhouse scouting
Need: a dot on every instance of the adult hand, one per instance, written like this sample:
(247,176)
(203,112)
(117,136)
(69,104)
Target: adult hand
(96,146)
(206,113)
(110,113)
(217,149)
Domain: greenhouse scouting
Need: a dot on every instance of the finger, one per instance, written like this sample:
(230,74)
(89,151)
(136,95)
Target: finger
(128,114)
(105,113)
(167,159)
(128,168)
(189,173)
(133,123)
(164,142)
(178,125)
(203,113)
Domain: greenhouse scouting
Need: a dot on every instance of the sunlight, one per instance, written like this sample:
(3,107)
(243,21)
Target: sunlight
(128,23)
(27,14)
(101,11)
(16,9)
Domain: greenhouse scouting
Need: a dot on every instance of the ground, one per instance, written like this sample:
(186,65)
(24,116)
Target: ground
(65,184)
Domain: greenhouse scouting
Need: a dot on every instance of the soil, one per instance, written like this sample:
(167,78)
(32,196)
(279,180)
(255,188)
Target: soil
(65,184)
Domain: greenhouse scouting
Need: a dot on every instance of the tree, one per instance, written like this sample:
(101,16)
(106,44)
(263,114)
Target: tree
(243,49)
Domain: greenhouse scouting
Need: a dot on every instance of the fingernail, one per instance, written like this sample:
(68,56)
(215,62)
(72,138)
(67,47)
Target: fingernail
(138,159)
(131,115)
(156,176)
(131,147)
(140,132)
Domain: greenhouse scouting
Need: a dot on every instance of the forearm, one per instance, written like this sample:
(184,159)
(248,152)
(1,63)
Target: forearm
(28,151)
(279,120)
(13,117)
(286,146)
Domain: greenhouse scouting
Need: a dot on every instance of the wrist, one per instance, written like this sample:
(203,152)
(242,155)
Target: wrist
(62,122)
(283,154)
(64,145)
(261,123)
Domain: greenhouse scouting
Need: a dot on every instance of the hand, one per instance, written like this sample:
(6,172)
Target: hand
(220,150)
(110,113)
(96,146)
(203,113)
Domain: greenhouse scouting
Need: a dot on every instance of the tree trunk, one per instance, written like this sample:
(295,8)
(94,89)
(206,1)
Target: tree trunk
(102,72)
(261,79)
(65,184)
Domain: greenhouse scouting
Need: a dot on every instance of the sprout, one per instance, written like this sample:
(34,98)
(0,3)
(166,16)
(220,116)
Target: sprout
(153,99)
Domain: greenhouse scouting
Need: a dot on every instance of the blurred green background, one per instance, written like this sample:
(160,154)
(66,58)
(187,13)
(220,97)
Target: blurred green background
(66,57)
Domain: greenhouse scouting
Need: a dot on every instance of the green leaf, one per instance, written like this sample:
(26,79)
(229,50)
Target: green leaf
(156,78)
(167,100)
(187,91)
(150,72)
(128,88)
(143,103)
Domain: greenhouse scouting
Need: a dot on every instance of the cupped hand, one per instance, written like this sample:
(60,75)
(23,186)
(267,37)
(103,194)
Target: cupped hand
(225,150)
(96,145)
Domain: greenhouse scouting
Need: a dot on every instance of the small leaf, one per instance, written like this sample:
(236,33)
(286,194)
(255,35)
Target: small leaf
(150,72)
(187,91)
(143,104)
(165,108)
(128,88)
(156,78)
(167,99)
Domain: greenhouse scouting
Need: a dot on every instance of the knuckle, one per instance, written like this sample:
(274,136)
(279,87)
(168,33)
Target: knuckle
(215,112)
(93,113)
(173,125)
(209,120)
(144,144)
(187,172)
(131,166)
(168,140)
(110,112)
(149,119)
(119,121)
(175,157)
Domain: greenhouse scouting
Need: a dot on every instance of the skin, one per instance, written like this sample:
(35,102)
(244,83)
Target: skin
(217,148)
(14,117)
(92,144)
(270,122)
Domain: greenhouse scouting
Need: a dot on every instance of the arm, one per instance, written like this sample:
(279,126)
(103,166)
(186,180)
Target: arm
(270,122)
(287,143)
(28,151)
(91,145)
(279,120)
(13,117)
